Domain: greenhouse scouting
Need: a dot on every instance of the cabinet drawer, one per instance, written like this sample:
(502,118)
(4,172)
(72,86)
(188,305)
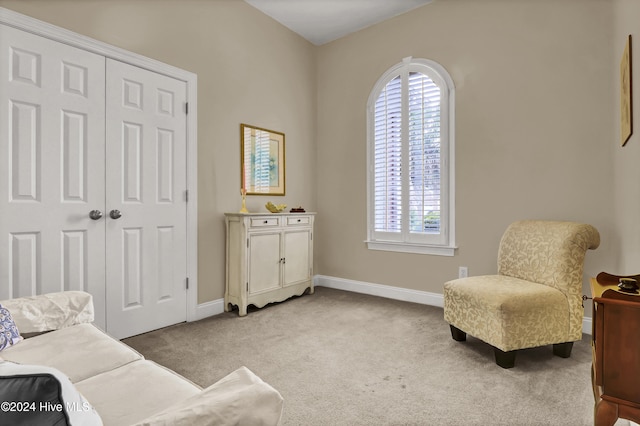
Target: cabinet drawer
(260,222)
(292,221)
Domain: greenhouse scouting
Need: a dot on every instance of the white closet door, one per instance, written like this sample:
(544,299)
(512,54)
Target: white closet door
(52,162)
(146,184)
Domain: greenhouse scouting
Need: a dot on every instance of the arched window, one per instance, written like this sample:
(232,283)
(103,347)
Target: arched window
(410,148)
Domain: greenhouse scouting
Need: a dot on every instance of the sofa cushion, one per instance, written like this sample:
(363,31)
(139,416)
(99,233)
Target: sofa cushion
(135,391)
(240,398)
(9,334)
(80,351)
(42,395)
(52,311)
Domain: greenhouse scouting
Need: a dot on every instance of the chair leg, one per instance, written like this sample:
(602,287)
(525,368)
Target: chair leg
(563,350)
(457,334)
(505,359)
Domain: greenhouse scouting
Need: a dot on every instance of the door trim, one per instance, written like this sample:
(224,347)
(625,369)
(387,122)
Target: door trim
(52,32)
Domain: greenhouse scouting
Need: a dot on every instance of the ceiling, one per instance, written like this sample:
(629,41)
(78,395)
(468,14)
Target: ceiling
(322,21)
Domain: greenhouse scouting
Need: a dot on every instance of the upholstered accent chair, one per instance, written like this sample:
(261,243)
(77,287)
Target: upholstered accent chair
(536,297)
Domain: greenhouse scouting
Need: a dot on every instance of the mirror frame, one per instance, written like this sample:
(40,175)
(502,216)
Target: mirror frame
(262,161)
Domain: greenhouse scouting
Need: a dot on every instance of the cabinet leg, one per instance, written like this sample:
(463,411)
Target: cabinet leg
(311,290)
(242,310)
(606,413)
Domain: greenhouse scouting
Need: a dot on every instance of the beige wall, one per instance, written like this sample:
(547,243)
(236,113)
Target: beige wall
(534,125)
(250,70)
(626,160)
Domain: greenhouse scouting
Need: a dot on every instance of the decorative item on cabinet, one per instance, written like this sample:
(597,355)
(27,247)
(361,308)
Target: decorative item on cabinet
(273,208)
(243,193)
(269,258)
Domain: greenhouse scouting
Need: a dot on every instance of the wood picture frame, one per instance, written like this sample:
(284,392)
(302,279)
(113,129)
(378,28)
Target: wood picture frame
(626,104)
(262,161)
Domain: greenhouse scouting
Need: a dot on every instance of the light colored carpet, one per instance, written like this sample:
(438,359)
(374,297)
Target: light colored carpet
(342,358)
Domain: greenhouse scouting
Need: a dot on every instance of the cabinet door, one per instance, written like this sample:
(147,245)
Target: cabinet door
(297,256)
(264,262)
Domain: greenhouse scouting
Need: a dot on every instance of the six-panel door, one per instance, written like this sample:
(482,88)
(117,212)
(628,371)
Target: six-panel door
(52,168)
(145,198)
(86,205)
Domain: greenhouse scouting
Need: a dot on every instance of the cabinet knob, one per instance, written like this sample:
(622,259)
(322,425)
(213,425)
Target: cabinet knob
(266,221)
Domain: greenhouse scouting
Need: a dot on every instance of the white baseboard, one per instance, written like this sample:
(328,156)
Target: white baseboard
(209,309)
(587,325)
(398,293)
(215,307)
(390,292)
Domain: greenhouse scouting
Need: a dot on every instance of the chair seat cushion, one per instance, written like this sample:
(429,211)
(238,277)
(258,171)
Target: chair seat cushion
(508,313)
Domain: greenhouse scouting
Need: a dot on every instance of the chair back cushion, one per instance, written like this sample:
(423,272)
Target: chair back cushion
(547,252)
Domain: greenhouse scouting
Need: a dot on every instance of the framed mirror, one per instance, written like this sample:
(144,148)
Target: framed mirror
(262,163)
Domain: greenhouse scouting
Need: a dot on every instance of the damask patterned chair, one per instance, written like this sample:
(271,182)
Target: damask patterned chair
(536,298)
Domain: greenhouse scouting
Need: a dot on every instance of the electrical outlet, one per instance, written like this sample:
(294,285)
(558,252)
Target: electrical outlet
(463,272)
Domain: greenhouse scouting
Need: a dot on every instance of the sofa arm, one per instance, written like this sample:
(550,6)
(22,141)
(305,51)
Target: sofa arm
(45,312)
(240,398)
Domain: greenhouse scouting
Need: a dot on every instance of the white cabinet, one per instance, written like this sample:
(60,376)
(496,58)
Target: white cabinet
(269,258)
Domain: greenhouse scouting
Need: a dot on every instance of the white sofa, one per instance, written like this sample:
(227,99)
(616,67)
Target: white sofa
(113,381)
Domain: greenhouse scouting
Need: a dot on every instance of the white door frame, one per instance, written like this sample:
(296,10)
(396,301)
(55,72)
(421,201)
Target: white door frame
(44,29)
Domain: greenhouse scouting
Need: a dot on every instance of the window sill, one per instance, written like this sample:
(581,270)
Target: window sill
(411,248)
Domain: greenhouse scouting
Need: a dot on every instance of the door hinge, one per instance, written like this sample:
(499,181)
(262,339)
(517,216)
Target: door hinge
(186,107)
(247,243)
(247,286)
(187,282)
(186,195)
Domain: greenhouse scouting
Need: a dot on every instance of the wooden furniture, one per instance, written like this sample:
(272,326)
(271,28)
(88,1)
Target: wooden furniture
(616,351)
(269,258)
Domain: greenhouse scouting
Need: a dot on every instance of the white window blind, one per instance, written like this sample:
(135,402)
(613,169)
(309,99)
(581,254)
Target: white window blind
(388,158)
(424,154)
(410,187)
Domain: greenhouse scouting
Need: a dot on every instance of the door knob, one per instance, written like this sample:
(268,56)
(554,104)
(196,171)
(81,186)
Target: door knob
(95,214)
(115,214)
